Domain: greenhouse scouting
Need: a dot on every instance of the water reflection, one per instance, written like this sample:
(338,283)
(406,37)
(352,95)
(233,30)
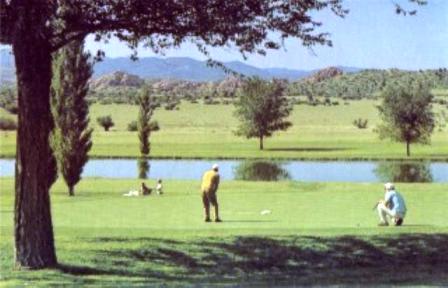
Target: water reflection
(260,171)
(309,171)
(404,172)
(143,168)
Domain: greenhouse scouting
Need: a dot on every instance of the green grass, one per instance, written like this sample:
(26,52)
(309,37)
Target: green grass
(206,131)
(317,234)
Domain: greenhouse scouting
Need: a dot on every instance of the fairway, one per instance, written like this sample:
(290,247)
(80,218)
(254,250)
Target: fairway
(207,131)
(314,229)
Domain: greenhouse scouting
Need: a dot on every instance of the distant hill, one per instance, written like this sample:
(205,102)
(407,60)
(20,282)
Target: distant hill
(180,68)
(183,68)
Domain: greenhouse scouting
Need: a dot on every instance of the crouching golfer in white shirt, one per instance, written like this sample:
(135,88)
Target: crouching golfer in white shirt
(392,207)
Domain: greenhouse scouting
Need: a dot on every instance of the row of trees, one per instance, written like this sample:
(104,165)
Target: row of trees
(70,138)
(366,84)
(405,111)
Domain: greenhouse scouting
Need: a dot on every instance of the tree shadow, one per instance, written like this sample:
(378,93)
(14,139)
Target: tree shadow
(307,149)
(288,260)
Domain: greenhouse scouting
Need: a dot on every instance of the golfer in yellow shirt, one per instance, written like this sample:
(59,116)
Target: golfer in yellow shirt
(209,187)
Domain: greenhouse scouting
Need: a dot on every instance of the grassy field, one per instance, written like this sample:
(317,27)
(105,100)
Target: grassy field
(316,234)
(206,131)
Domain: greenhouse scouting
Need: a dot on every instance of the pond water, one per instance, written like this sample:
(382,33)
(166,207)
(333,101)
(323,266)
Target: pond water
(262,170)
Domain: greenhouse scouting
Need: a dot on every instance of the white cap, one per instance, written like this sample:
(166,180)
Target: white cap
(389,186)
(215,167)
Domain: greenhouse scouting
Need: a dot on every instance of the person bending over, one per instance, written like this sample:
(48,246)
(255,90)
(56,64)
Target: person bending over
(209,187)
(145,190)
(392,207)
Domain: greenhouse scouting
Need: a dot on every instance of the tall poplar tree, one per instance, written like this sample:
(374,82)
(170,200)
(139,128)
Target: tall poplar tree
(70,139)
(144,116)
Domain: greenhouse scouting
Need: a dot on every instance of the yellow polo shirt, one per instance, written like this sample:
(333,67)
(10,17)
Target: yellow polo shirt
(210,181)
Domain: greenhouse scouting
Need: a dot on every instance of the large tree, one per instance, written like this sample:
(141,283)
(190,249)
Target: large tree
(406,112)
(37,28)
(71,136)
(262,109)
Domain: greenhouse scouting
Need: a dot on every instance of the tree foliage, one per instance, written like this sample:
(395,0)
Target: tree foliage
(406,113)
(365,84)
(262,109)
(71,137)
(8,99)
(144,116)
(106,122)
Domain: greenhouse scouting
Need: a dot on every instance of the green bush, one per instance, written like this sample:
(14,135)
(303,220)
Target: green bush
(7,124)
(210,101)
(154,126)
(170,106)
(360,123)
(132,126)
(105,122)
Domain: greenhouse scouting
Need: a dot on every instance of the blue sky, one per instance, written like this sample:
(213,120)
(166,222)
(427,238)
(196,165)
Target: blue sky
(371,36)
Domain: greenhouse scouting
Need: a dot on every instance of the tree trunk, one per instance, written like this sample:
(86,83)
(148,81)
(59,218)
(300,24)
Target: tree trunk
(35,164)
(261,143)
(408,149)
(71,190)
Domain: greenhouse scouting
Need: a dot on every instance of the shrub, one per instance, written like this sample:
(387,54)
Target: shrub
(210,101)
(91,101)
(106,101)
(132,126)
(7,124)
(360,123)
(105,122)
(8,100)
(170,106)
(154,126)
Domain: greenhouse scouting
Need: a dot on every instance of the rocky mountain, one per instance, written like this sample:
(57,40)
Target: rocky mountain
(325,74)
(179,68)
(117,78)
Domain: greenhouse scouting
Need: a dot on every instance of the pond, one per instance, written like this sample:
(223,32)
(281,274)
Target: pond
(262,170)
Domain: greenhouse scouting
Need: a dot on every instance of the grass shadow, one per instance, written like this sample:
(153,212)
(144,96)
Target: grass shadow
(290,260)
